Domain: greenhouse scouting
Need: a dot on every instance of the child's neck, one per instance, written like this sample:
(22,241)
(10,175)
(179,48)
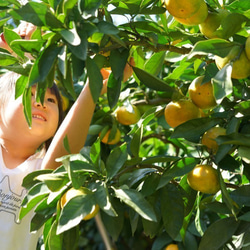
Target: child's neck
(14,156)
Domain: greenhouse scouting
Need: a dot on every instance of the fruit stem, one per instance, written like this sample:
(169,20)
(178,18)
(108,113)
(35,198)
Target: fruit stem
(103,232)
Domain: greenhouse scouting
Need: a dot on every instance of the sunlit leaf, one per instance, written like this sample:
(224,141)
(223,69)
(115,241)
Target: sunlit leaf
(218,233)
(136,201)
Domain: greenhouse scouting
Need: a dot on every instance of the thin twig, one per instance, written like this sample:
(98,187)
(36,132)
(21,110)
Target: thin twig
(103,232)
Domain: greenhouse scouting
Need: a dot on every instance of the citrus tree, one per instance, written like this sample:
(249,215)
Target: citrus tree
(176,172)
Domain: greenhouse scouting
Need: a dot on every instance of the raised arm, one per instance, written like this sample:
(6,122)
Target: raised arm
(75,126)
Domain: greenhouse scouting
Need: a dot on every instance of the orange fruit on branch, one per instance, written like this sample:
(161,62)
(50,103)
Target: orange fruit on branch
(198,17)
(128,70)
(172,247)
(128,115)
(240,62)
(204,178)
(247,47)
(182,8)
(107,139)
(71,193)
(178,112)
(208,138)
(211,25)
(202,94)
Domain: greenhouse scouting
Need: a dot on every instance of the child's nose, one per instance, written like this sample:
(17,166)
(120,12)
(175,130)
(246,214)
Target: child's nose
(40,105)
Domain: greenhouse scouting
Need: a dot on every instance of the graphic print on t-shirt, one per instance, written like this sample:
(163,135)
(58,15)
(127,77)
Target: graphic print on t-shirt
(10,202)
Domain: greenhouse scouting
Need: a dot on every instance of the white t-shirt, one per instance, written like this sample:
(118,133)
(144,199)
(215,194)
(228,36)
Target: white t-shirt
(14,234)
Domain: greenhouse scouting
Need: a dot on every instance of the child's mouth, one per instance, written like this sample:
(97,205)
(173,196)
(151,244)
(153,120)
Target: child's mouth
(39,117)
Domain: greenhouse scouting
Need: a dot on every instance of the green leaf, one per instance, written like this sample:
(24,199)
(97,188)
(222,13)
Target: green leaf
(158,159)
(103,198)
(31,46)
(222,83)
(44,211)
(68,5)
(54,181)
(21,84)
(44,64)
(36,194)
(71,238)
(30,179)
(133,177)
(54,241)
(235,139)
(95,78)
(27,105)
(136,201)
(107,28)
(74,211)
(114,225)
(37,13)
(226,197)
(78,167)
(10,36)
(118,60)
(232,23)
(116,160)
(218,234)
(71,36)
(219,47)
(113,91)
(153,82)
(180,168)
(89,6)
(136,142)
(241,195)
(155,63)
(7,59)
(161,241)
(80,50)
(193,129)
(172,210)
(151,228)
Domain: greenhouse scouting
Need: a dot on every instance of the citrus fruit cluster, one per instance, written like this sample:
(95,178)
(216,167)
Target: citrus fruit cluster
(187,12)
(127,115)
(201,97)
(239,57)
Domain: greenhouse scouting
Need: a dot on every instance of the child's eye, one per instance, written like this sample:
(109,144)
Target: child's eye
(51,99)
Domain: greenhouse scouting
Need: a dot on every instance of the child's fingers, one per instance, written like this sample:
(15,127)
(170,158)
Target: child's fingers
(25,30)
(104,87)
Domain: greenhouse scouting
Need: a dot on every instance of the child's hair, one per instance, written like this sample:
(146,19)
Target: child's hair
(7,88)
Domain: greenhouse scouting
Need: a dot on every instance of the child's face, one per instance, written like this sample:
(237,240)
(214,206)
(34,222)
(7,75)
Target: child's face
(44,118)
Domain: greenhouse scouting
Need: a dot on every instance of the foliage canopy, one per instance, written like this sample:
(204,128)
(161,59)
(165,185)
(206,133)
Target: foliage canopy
(140,184)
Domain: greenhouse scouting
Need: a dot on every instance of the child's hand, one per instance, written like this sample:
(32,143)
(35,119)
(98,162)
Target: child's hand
(3,43)
(105,74)
(25,30)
